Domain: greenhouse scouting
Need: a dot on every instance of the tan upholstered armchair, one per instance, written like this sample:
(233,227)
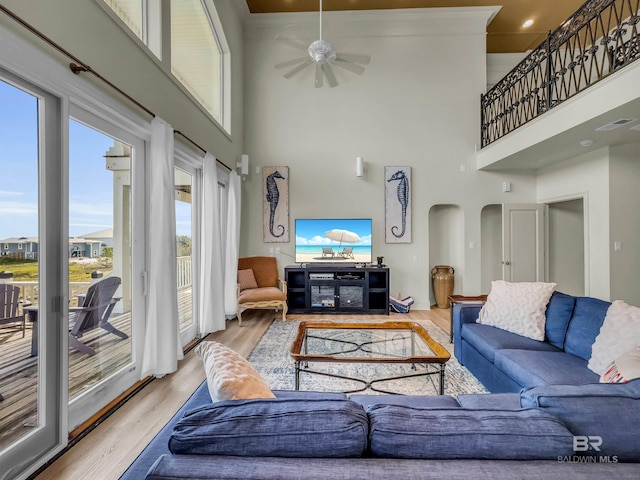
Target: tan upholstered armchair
(259,285)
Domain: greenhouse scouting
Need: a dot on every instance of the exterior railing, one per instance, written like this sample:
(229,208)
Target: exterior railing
(29,290)
(183,269)
(601,37)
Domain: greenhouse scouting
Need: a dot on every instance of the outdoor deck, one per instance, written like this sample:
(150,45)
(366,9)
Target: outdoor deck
(18,369)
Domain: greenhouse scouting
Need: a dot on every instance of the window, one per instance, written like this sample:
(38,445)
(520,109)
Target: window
(196,57)
(19,246)
(131,12)
(196,53)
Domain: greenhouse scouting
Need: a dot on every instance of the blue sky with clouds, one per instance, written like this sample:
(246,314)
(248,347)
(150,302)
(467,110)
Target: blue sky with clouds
(90,183)
(312,231)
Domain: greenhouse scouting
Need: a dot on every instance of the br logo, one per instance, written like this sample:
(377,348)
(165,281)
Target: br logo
(583,443)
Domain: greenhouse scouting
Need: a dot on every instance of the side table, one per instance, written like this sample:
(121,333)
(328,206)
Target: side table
(461,299)
(32,316)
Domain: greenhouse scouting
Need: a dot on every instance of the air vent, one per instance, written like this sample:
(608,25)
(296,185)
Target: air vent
(616,124)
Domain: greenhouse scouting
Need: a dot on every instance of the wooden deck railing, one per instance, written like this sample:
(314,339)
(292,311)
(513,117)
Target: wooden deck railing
(29,290)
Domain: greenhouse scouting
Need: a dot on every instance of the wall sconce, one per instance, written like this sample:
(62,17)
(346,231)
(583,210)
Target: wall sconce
(243,164)
(359,166)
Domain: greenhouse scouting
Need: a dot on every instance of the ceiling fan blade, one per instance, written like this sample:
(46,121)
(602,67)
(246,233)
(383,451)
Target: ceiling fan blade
(352,67)
(319,75)
(292,42)
(300,67)
(355,58)
(291,62)
(331,78)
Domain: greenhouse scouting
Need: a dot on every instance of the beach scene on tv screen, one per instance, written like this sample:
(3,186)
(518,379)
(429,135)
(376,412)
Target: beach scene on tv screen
(333,240)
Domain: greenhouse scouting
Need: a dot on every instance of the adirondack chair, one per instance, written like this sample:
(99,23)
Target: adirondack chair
(94,313)
(9,312)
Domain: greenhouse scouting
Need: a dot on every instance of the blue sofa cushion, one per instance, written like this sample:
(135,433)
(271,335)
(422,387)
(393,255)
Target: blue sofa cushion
(608,411)
(559,311)
(457,433)
(487,340)
(584,327)
(307,395)
(533,368)
(492,401)
(279,427)
(420,401)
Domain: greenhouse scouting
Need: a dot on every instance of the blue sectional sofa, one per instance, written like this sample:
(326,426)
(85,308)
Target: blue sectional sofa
(547,417)
(312,435)
(507,362)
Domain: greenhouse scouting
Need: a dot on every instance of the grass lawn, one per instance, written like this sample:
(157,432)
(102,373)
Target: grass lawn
(27,270)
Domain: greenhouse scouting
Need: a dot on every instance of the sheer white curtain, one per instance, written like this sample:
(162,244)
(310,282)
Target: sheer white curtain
(231,246)
(162,348)
(212,316)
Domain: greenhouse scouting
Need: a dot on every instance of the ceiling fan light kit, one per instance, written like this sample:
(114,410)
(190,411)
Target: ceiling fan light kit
(321,54)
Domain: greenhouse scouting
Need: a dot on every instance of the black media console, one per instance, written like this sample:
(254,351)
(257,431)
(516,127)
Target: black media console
(326,288)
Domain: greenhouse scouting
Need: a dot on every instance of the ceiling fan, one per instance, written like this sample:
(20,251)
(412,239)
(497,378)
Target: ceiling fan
(321,54)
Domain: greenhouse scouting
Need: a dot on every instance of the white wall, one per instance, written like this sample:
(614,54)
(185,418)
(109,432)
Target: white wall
(491,246)
(586,176)
(566,246)
(446,242)
(416,104)
(499,64)
(624,183)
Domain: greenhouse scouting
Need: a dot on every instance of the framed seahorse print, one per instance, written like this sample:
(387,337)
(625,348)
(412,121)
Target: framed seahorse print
(397,204)
(275,210)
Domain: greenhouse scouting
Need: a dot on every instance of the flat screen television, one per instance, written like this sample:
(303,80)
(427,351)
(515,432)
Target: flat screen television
(333,240)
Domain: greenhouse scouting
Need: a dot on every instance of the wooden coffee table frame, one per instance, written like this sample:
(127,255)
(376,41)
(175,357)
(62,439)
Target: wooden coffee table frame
(302,358)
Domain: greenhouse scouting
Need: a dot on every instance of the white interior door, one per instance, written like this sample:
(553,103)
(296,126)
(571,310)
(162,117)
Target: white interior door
(523,240)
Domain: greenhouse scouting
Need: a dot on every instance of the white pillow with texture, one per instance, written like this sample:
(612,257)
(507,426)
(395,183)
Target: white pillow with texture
(619,333)
(229,376)
(517,307)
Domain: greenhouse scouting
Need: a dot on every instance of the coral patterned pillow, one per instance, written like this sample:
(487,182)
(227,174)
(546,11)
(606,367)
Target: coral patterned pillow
(517,307)
(624,368)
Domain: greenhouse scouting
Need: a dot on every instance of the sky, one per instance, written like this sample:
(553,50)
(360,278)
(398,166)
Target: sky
(90,183)
(312,231)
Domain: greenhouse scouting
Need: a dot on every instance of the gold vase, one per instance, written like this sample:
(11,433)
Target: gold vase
(443,281)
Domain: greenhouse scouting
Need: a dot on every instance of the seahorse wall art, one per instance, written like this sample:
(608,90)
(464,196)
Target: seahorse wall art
(275,186)
(397,204)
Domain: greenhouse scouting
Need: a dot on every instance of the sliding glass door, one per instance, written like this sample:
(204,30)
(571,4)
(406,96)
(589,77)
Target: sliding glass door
(31,294)
(106,304)
(187,177)
(72,258)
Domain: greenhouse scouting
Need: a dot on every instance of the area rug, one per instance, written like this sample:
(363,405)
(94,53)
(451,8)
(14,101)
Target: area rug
(272,359)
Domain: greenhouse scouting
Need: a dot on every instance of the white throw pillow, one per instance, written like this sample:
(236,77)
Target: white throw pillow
(619,333)
(517,307)
(624,368)
(229,376)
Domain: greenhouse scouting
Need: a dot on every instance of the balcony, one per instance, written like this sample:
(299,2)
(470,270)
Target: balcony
(19,367)
(598,43)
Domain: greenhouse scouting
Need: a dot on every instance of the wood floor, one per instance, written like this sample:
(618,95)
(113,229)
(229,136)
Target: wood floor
(19,369)
(107,451)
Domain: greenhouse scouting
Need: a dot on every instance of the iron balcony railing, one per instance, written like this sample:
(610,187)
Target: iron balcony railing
(600,38)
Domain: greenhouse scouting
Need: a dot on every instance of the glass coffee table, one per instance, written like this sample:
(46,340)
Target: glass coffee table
(386,342)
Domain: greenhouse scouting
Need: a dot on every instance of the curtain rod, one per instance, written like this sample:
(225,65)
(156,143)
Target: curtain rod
(78,66)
